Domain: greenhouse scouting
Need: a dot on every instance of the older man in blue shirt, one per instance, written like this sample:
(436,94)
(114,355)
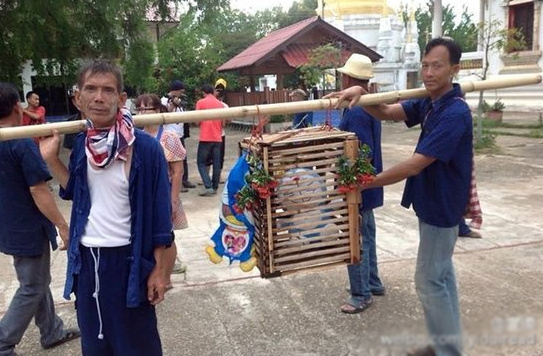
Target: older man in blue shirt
(120,223)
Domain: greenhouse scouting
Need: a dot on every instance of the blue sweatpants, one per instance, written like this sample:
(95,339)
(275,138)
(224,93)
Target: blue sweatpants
(108,327)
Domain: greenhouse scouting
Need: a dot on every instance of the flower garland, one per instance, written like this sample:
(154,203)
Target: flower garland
(259,186)
(352,174)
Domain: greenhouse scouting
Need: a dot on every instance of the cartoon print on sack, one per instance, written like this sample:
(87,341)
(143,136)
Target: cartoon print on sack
(234,236)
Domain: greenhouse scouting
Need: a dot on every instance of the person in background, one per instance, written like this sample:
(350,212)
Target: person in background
(220,87)
(27,233)
(301,119)
(175,102)
(34,113)
(121,220)
(363,277)
(175,154)
(209,146)
(438,186)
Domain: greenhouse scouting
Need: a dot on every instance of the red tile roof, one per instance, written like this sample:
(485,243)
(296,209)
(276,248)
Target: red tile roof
(284,41)
(297,54)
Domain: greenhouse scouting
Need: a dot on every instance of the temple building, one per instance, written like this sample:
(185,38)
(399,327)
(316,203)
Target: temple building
(378,26)
(526,17)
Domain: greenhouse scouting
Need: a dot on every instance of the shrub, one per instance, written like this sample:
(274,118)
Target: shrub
(498,105)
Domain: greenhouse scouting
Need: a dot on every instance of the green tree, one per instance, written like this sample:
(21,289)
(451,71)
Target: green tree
(463,31)
(64,31)
(298,11)
(494,37)
(190,53)
(321,58)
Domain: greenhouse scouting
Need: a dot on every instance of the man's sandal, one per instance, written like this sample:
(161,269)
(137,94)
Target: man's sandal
(70,335)
(348,308)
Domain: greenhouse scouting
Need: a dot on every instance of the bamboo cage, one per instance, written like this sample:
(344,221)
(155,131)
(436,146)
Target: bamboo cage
(306,222)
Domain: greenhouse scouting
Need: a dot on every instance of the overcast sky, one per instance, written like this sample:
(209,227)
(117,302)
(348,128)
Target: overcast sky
(255,5)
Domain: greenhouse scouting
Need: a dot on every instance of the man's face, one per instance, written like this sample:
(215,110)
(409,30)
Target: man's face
(438,72)
(34,100)
(99,99)
(347,82)
(177,93)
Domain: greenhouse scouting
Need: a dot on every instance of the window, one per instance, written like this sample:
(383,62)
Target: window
(521,17)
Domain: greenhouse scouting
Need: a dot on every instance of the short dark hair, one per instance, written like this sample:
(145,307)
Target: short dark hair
(208,89)
(455,51)
(147,99)
(9,96)
(30,93)
(100,66)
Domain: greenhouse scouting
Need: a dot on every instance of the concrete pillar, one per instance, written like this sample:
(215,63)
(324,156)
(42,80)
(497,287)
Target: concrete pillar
(437,30)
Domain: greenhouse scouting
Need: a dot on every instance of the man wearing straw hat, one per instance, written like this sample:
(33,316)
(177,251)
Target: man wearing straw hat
(363,277)
(121,220)
(27,231)
(438,185)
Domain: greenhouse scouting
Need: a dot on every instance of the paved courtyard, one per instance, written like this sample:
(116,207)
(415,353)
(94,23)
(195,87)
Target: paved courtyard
(220,310)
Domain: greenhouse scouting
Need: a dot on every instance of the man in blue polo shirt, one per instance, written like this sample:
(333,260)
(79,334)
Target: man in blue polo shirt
(438,180)
(363,277)
(27,232)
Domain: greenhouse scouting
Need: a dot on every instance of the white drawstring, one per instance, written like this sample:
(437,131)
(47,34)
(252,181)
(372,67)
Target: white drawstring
(97,288)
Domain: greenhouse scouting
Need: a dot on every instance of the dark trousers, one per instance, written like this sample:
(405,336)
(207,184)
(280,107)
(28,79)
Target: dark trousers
(206,151)
(185,178)
(125,331)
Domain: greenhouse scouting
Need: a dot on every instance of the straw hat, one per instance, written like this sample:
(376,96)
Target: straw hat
(220,82)
(357,66)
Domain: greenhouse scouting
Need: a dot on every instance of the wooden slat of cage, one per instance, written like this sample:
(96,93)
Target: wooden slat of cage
(317,252)
(315,262)
(333,205)
(280,152)
(284,241)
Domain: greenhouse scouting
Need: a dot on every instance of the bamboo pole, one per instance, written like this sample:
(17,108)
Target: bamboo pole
(10,133)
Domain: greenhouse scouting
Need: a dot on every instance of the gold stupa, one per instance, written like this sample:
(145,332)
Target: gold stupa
(338,8)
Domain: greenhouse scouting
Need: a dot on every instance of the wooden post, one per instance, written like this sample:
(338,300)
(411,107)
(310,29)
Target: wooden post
(354,199)
(269,220)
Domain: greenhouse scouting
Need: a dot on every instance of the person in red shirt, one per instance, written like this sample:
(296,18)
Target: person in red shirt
(209,145)
(33,114)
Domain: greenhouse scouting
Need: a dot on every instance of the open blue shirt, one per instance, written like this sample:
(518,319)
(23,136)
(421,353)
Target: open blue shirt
(150,204)
(23,227)
(368,131)
(439,193)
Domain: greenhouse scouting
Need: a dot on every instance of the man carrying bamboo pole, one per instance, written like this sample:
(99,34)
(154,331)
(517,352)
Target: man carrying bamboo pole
(364,278)
(27,232)
(121,220)
(438,182)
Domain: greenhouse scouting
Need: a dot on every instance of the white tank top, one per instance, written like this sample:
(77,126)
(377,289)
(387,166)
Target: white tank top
(108,224)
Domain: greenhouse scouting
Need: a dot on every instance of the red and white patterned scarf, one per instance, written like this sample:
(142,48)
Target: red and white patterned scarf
(102,146)
(473,209)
